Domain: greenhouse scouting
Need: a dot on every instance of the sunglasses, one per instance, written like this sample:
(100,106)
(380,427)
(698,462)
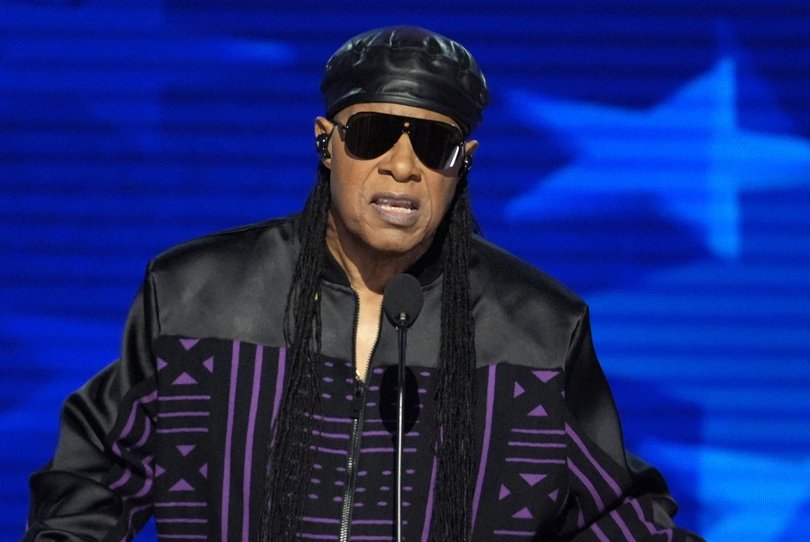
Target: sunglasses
(368,135)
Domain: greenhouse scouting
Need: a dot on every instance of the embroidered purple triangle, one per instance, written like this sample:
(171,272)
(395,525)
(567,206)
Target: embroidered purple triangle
(538,411)
(188,344)
(204,470)
(181,485)
(161,364)
(545,376)
(518,390)
(523,513)
(184,379)
(185,449)
(554,494)
(209,364)
(532,479)
(159,470)
(504,492)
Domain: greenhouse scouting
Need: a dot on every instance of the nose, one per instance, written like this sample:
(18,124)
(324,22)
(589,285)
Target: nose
(401,161)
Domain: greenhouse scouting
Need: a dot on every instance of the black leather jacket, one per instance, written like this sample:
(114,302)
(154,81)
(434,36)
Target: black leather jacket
(178,426)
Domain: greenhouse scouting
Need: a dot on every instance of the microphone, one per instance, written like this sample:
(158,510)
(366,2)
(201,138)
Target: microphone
(402,302)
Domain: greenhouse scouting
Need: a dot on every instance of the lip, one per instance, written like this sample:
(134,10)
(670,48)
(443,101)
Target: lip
(396,209)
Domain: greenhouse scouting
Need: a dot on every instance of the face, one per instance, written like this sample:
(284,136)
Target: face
(391,204)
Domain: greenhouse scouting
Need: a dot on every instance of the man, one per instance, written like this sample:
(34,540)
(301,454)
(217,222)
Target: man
(253,396)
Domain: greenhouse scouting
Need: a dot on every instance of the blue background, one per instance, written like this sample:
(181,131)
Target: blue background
(653,155)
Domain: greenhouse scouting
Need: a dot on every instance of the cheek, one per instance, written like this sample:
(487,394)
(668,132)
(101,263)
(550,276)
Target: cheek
(441,199)
(346,195)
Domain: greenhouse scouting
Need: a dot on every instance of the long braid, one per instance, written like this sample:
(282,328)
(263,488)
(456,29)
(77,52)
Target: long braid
(455,394)
(289,454)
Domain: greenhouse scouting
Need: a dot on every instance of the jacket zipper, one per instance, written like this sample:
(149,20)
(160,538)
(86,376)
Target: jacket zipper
(351,462)
(358,411)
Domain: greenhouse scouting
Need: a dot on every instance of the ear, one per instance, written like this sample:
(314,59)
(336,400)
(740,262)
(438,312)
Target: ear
(323,140)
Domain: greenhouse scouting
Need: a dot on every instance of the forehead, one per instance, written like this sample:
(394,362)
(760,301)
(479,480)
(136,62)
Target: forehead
(393,109)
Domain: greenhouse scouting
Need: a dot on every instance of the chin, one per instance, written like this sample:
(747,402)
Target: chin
(398,244)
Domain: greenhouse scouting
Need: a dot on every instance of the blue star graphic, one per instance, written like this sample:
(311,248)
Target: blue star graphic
(689,153)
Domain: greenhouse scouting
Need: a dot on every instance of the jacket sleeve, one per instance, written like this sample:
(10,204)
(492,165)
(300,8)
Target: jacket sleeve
(98,484)
(613,495)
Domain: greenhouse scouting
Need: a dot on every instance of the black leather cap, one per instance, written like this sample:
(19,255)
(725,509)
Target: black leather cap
(409,66)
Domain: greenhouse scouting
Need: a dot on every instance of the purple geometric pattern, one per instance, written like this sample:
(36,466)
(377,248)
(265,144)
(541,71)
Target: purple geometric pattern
(540,469)
(213,411)
(131,444)
(527,454)
(205,488)
(373,497)
(184,424)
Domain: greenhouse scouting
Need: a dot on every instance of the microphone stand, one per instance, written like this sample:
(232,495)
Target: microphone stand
(402,301)
(402,331)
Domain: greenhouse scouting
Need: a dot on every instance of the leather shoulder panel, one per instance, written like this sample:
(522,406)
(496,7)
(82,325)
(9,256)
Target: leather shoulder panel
(231,284)
(523,316)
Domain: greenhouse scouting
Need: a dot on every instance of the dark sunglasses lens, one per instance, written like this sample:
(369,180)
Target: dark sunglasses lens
(436,144)
(370,135)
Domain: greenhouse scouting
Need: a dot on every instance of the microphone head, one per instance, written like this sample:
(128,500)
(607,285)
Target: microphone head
(402,300)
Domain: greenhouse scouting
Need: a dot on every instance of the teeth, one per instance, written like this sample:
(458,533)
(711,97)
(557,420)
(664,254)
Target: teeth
(397,209)
(398,204)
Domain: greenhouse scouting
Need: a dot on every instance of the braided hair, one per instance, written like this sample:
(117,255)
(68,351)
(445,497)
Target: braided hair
(290,457)
(289,454)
